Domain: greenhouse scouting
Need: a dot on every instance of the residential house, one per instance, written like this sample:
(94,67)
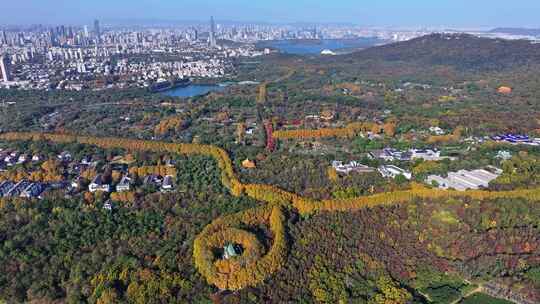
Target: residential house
(108,205)
(153,179)
(124,184)
(436,131)
(65,156)
(170,163)
(22,159)
(86,160)
(503,155)
(76,182)
(98,185)
(249,131)
(168,184)
(11,159)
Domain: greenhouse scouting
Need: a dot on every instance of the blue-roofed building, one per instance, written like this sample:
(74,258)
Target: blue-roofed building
(515,139)
(33,190)
(17,189)
(5,186)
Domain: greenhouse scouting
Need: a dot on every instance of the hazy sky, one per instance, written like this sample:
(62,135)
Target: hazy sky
(409,13)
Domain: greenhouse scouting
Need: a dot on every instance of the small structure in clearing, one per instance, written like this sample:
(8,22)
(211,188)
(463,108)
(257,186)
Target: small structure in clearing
(248,164)
(504,90)
(229,251)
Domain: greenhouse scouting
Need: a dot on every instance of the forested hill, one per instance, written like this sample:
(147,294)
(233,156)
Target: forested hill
(462,51)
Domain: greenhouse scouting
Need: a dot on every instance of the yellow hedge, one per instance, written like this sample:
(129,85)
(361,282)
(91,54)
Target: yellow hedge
(350,130)
(253,266)
(157,170)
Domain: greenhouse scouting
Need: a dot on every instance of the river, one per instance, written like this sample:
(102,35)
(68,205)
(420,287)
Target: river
(193,90)
(313,47)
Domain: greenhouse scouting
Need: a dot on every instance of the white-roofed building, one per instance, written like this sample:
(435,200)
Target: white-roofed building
(463,180)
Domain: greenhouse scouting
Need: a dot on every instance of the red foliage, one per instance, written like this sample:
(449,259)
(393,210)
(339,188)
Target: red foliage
(270,142)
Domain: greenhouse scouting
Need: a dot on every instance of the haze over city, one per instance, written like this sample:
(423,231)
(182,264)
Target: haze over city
(397,13)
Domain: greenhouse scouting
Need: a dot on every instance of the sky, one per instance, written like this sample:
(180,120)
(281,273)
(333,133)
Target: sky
(378,13)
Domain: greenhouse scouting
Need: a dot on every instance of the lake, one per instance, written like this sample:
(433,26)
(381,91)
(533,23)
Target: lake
(193,90)
(314,47)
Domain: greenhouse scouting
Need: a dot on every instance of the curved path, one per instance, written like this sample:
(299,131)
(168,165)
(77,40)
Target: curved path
(256,263)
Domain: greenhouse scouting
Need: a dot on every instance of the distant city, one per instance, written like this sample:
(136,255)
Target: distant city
(70,57)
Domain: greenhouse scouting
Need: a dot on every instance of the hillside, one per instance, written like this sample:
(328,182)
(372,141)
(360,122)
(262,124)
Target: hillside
(461,51)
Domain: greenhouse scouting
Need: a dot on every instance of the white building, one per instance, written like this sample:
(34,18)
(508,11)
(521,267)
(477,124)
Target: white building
(390,171)
(98,185)
(168,184)
(503,155)
(4,68)
(107,205)
(65,156)
(436,130)
(464,180)
(22,159)
(425,154)
(389,154)
(350,167)
(124,184)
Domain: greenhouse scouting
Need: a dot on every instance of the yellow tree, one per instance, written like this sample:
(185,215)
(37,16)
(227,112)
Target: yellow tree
(263,95)
(116,176)
(389,129)
(240,131)
(332,174)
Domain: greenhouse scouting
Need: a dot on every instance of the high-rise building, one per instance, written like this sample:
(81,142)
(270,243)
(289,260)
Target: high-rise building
(3,38)
(195,34)
(4,68)
(97,31)
(86,34)
(212,41)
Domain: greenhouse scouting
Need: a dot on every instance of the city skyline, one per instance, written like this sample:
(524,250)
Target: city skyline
(390,13)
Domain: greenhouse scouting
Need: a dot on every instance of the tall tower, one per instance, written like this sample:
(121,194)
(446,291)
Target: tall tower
(97,31)
(195,34)
(4,68)
(3,38)
(212,41)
